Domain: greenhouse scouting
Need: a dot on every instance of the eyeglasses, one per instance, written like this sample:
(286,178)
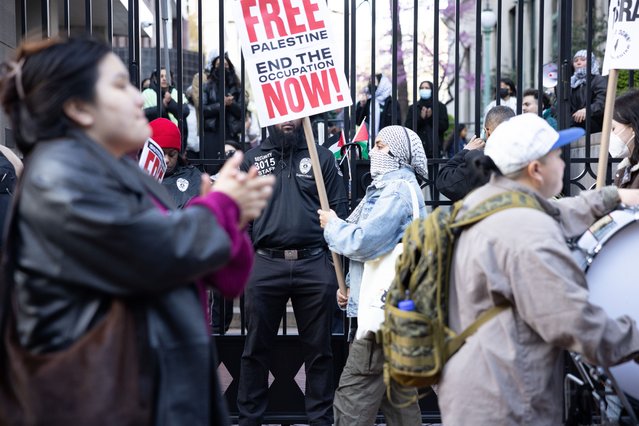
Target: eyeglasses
(229,153)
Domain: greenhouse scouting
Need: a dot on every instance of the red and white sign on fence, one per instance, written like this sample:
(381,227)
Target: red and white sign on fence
(152,160)
(291,58)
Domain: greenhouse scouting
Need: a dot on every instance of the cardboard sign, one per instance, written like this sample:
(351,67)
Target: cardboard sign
(622,44)
(152,160)
(291,58)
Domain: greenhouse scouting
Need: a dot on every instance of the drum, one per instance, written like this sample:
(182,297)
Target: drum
(607,252)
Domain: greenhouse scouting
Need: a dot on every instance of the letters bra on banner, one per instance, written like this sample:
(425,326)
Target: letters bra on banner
(291,58)
(622,45)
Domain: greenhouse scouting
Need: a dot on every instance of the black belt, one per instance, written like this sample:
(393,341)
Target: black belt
(291,254)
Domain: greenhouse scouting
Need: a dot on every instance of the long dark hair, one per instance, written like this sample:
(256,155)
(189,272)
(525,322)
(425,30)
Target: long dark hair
(45,75)
(627,112)
(214,74)
(511,85)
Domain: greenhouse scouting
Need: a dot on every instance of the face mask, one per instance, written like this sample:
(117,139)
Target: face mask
(381,163)
(617,147)
(580,72)
(425,93)
(503,93)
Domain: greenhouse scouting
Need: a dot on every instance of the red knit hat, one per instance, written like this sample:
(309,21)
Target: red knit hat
(166,133)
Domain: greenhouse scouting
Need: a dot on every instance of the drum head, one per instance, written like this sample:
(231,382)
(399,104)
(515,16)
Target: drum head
(614,286)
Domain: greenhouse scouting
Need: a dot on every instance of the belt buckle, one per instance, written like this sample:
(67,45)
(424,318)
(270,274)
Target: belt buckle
(290,254)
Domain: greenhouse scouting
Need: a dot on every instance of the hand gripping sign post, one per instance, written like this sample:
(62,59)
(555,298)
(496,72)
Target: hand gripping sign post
(622,52)
(294,69)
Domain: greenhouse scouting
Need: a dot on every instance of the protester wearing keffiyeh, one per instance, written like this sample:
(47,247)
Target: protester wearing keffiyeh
(579,76)
(406,150)
(587,100)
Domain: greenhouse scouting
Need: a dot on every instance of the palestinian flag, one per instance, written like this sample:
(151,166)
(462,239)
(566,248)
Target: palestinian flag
(335,144)
(361,137)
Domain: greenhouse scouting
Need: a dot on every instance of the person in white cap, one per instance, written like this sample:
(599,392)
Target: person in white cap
(510,372)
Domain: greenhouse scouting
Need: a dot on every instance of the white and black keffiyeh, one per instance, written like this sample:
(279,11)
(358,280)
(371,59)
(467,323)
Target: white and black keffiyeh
(406,147)
(405,150)
(579,77)
(382,91)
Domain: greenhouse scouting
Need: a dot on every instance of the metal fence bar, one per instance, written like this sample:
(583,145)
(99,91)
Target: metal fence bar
(457,80)
(200,72)
(435,93)
(371,118)
(67,21)
(109,24)
(179,70)
(478,68)
(395,25)
(131,35)
(520,54)
(158,63)
(136,43)
(498,52)
(416,79)
(540,58)
(565,42)
(88,17)
(221,90)
(23,18)
(45,13)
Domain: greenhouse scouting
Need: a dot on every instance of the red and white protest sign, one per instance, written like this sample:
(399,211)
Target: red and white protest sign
(291,58)
(152,159)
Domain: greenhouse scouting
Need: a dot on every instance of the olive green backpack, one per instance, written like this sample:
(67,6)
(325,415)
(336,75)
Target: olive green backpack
(418,343)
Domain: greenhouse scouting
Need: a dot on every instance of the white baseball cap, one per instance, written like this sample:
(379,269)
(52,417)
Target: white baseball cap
(525,138)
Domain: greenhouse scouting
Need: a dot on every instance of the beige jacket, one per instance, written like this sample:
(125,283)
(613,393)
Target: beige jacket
(510,371)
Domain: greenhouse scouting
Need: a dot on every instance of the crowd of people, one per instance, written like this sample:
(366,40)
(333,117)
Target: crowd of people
(113,281)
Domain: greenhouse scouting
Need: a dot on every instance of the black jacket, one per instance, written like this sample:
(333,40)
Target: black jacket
(457,177)
(88,231)
(183,184)
(597,100)
(424,127)
(211,104)
(290,219)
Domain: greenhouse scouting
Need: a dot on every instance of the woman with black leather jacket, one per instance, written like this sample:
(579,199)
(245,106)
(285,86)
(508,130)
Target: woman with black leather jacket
(101,308)
(212,103)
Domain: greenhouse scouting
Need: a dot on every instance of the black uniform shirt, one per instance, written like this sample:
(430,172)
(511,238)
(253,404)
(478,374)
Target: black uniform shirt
(290,219)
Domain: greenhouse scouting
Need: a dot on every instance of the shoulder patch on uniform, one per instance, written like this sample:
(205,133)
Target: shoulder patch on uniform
(182,184)
(305,165)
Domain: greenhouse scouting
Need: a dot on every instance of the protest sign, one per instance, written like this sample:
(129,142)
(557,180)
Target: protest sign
(622,52)
(622,44)
(291,58)
(152,160)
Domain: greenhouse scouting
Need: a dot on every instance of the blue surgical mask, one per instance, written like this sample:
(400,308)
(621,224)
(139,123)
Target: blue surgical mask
(425,93)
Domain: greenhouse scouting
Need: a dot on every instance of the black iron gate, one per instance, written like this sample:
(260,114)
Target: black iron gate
(465,47)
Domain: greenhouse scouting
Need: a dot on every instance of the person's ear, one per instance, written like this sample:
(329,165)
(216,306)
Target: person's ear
(79,112)
(534,173)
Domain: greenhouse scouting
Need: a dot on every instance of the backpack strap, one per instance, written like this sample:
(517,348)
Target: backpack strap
(499,202)
(453,344)
(413,198)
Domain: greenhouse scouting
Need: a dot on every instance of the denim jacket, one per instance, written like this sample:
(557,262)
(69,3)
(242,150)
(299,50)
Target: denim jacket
(386,214)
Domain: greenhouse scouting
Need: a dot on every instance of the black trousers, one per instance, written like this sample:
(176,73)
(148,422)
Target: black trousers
(311,285)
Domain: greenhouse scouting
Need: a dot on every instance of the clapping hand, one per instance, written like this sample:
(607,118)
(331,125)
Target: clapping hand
(250,191)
